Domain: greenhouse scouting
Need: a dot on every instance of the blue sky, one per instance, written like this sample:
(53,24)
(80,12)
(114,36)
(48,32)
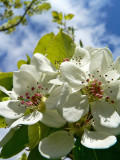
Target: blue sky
(97,22)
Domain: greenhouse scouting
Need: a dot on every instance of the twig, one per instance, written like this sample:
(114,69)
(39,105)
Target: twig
(17,23)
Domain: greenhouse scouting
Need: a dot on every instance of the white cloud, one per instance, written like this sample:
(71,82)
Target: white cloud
(87,20)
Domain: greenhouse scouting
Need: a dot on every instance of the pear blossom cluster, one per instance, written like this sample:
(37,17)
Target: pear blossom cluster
(80,98)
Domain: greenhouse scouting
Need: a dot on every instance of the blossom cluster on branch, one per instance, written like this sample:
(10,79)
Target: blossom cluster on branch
(77,98)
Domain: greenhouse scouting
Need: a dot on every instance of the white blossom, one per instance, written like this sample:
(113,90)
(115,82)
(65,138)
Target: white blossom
(31,95)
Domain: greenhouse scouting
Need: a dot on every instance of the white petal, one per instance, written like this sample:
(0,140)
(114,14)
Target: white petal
(113,131)
(23,82)
(47,88)
(11,94)
(9,121)
(29,119)
(56,81)
(72,74)
(43,64)
(81,56)
(64,94)
(112,75)
(7,137)
(31,70)
(116,64)
(56,145)
(99,63)
(88,48)
(113,90)
(104,113)
(11,109)
(93,52)
(97,140)
(53,119)
(74,108)
(52,100)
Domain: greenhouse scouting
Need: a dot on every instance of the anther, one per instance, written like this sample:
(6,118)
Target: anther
(112,101)
(40,86)
(93,84)
(22,102)
(100,96)
(87,80)
(99,82)
(21,96)
(27,94)
(95,80)
(32,88)
(107,97)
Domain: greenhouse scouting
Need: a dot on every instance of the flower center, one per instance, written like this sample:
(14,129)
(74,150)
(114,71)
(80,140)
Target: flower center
(78,127)
(93,90)
(36,101)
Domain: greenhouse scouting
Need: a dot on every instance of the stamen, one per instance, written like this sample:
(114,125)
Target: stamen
(33,88)
(27,94)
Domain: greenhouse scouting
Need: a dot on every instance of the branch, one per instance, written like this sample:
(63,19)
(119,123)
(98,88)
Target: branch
(17,23)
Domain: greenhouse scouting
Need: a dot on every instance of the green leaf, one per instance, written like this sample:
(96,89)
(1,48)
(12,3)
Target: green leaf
(55,14)
(81,44)
(3,123)
(24,156)
(37,132)
(57,49)
(20,63)
(28,59)
(34,135)
(6,80)
(82,153)
(16,144)
(57,17)
(69,16)
(44,43)
(35,155)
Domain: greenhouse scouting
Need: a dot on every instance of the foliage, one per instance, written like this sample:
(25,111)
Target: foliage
(27,8)
(21,62)
(16,144)
(62,20)
(57,48)
(4,79)
(83,153)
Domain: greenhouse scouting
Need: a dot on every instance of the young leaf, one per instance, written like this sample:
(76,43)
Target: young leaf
(69,16)
(28,59)
(34,135)
(22,157)
(3,123)
(16,144)
(44,43)
(55,14)
(57,48)
(6,80)
(61,47)
(21,62)
(81,44)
